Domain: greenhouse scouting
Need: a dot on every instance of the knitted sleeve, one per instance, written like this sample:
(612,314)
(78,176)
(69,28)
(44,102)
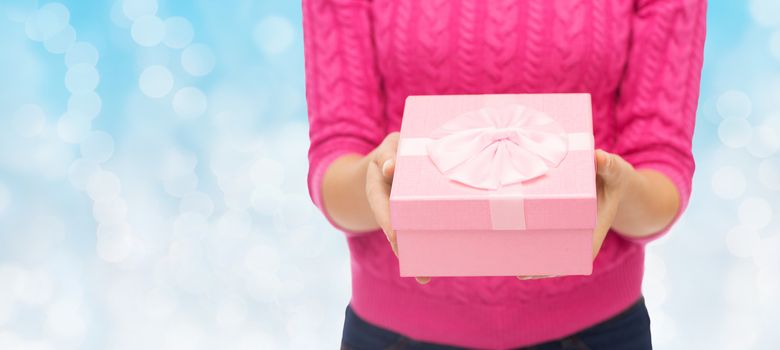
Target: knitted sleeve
(345,106)
(659,92)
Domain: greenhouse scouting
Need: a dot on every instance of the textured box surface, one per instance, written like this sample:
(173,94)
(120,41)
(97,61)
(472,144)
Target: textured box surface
(457,207)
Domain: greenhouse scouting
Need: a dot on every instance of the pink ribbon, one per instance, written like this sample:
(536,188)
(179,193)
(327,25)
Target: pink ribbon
(496,146)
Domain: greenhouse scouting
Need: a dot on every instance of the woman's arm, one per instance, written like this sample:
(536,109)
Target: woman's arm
(656,114)
(647,200)
(345,108)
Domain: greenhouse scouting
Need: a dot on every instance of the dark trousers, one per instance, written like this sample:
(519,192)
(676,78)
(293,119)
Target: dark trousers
(629,330)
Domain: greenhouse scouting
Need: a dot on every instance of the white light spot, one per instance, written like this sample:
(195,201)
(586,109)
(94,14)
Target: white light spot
(61,41)
(189,102)
(181,336)
(112,211)
(155,81)
(66,319)
(97,146)
(197,202)
(5,198)
(767,254)
(29,120)
(734,104)
(764,143)
(159,303)
(728,182)
(274,35)
(72,128)
(765,12)
(148,31)
(231,312)
(769,173)
(81,77)
(134,9)
(49,20)
(774,44)
(117,16)
(116,248)
(255,340)
(267,171)
(180,185)
(31,28)
(768,285)
(103,186)
(263,286)
(111,230)
(80,171)
(295,210)
(735,132)
(190,224)
(86,103)
(741,241)
(33,287)
(266,199)
(197,60)
(755,213)
(234,223)
(262,258)
(81,52)
(178,32)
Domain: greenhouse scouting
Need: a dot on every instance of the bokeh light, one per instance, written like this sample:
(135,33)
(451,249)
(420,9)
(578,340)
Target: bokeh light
(274,34)
(735,133)
(178,32)
(87,104)
(765,12)
(734,104)
(155,81)
(97,146)
(769,173)
(81,77)
(134,9)
(29,120)
(148,31)
(755,212)
(73,128)
(61,41)
(189,102)
(728,182)
(197,59)
(81,52)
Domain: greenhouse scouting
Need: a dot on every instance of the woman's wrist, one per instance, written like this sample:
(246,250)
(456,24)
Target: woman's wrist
(344,195)
(648,203)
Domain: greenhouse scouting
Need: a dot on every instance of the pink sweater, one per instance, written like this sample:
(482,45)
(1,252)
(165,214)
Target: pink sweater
(641,62)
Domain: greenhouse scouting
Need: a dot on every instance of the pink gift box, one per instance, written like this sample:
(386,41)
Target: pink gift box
(495,185)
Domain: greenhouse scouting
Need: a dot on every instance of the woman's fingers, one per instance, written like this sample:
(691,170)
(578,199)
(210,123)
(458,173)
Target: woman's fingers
(378,194)
(535,277)
(388,168)
(423,280)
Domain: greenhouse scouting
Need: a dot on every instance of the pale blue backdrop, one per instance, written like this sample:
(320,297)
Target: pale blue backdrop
(152,184)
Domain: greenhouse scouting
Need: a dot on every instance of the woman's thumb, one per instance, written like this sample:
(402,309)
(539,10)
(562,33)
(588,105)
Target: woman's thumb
(605,163)
(388,168)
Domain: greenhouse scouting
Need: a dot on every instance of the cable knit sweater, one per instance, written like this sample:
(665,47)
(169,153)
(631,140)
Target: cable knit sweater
(641,62)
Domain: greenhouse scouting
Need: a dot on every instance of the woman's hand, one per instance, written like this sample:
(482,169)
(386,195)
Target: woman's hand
(379,180)
(613,175)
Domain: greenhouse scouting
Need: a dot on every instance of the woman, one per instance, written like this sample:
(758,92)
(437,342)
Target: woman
(641,62)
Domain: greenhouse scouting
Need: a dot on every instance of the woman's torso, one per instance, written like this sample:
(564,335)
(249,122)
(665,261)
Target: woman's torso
(510,46)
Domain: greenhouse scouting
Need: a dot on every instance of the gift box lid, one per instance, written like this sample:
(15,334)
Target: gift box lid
(454,149)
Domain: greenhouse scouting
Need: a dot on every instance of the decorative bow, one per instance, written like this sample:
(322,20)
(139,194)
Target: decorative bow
(496,146)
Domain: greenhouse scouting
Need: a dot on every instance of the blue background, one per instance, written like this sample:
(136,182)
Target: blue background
(166,207)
